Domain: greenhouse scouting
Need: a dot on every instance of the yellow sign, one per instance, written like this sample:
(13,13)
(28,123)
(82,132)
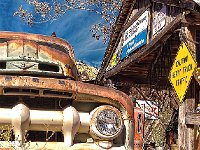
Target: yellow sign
(114,60)
(182,71)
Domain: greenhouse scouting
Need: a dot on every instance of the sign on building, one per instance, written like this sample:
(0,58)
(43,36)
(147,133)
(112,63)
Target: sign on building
(182,71)
(115,57)
(113,61)
(135,36)
(159,19)
(150,108)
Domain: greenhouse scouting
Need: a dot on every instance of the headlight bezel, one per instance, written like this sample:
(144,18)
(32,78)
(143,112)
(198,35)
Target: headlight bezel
(94,131)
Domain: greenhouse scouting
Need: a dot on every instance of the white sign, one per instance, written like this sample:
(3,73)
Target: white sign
(159,20)
(150,108)
(136,35)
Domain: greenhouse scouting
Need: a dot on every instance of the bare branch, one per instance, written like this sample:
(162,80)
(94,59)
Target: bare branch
(49,11)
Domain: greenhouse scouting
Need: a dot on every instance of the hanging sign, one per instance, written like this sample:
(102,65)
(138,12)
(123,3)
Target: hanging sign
(135,36)
(182,71)
(159,20)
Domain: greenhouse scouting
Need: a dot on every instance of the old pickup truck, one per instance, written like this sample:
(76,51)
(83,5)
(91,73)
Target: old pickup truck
(46,105)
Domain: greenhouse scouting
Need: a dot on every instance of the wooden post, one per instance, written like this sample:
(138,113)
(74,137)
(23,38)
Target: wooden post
(190,107)
(185,132)
(181,127)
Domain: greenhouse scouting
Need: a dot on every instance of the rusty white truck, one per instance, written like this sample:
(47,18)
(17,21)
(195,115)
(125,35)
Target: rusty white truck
(46,105)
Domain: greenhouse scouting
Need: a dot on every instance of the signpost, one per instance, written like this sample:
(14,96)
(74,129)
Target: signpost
(182,71)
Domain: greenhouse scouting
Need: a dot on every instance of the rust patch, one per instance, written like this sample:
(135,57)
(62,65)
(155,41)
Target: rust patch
(30,49)
(104,92)
(38,38)
(15,48)
(23,50)
(78,89)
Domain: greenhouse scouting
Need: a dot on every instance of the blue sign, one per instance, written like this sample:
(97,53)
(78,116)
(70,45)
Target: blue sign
(135,36)
(135,43)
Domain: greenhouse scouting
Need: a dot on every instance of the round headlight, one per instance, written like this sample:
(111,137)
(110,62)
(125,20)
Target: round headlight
(106,122)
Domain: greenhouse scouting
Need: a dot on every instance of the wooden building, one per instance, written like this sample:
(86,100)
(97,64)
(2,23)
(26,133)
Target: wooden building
(142,49)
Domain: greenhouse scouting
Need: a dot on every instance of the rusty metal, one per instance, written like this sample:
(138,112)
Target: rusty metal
(53,41)
(37,68)
(139,129)
(30,57)
(79,90)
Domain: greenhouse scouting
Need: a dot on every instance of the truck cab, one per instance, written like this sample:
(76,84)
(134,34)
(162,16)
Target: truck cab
(45,105)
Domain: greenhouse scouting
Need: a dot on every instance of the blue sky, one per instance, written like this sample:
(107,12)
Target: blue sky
(74,26)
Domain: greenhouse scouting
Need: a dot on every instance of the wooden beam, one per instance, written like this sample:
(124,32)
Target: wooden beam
(192,18)
(186,4)
(127,79)
(123,80)
(146,50)
(167,2)
(190,128)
